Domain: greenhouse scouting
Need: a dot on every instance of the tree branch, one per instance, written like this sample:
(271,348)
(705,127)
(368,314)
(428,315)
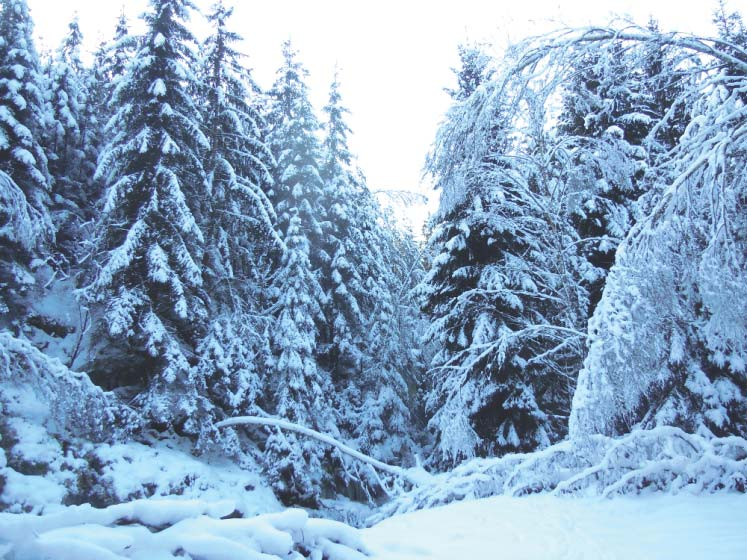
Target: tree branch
(416,477)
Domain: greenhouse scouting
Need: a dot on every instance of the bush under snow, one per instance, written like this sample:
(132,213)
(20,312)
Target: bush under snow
(664,458)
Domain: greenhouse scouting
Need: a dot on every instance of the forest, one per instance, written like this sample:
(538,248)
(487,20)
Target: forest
(201,297)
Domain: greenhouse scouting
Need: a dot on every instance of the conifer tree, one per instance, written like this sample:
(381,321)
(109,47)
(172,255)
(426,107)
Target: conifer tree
(502,290)
(26,185)
(619,117)
(473,70)
(668,340)
(72,163)
(109,66)
(344,247)
(292,138)
(238,164)
(362,340)
(240,237)
(301,390)
(150,307)
(23,117)
(389,418)
(119,52)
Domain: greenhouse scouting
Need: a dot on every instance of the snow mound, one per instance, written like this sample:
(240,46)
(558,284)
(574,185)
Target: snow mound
(161,529)
(662,459)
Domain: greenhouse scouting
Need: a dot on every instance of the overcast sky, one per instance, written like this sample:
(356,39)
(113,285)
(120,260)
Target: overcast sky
(394,55)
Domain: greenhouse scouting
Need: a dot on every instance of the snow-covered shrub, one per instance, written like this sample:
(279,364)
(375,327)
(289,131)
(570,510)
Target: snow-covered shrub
(40,472)
(64,398)
(664,458)
(44,406)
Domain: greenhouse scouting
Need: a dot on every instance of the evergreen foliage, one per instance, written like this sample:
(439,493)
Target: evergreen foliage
(503,292)
(26,225)
(584,277)
(71,164)
(150,306)
(239,225)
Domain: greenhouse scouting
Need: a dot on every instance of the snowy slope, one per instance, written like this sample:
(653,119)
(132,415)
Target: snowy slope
(549,528)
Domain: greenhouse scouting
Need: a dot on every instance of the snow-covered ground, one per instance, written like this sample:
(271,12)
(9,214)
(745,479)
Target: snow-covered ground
(655,527)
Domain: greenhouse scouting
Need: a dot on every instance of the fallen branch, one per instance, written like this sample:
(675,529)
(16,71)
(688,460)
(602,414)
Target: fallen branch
(416,477)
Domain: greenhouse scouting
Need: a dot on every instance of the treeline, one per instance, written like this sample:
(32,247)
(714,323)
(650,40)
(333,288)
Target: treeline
(222,252)
(586,271)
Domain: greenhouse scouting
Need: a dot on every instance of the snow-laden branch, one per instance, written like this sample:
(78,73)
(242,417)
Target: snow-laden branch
(416,477)
(664,458)
(718,49)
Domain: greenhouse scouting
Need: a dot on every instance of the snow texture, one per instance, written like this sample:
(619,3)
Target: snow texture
(172,528)
(547,527)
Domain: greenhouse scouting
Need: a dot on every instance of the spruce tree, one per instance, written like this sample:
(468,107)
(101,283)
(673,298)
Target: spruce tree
(301,390)
(363,346)
(150,307)
(344,248)
(668,341)
(292,138)
(241,224)
(619,116)
(23,117)
(109,68)
(502,292)
(101,79)
(240,238)
(71,163)
(25,221)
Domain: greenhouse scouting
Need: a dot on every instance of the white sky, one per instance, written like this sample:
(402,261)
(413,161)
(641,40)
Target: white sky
(394,55)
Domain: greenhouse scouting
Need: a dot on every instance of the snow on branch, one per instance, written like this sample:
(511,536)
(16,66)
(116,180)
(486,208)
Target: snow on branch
(664,458)
(19,222)
(77,403)
(416,477)
(718,49)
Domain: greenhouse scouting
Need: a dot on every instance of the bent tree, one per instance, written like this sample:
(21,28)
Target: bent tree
(509,289)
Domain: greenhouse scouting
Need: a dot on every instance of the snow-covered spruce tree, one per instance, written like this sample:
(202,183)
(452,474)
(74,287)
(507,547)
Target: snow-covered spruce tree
(453,270)
(149,305)
(299,390)
(292,138)
(503,290)
(390,421)
(731,28)
(25,221)
(71,162)
(239,228)
(109,67)
(473,70)
(101,80)
(118,53)
(360,341)
(342,245)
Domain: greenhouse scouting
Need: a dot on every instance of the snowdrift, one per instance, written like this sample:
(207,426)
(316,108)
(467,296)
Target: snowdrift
(175,528)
